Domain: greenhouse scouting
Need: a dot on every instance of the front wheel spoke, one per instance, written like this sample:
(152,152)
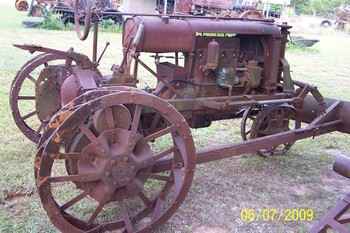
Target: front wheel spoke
(96,213)
(74,200)
(29,115)
(66,156)
(126,218)
(40,128)
(23,97)
(163,154)
(109,118)
(75,178)
(146,201)
(159,177)
(98,229)
(31,79)
(88,133)
(136,119)
(159,133)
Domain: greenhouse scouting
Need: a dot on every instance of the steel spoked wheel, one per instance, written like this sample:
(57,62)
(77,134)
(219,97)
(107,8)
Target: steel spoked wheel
(269,121)
(249,116)
(107,179)
(39,75)
(87,14)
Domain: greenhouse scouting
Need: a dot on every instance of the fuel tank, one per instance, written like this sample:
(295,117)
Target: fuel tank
(175,34)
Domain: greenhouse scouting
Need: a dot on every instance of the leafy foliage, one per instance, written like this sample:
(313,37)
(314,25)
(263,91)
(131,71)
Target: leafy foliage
(318,7)
(108,25)
(52,22)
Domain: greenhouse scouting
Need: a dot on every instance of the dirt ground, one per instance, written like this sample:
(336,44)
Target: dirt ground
(221,190)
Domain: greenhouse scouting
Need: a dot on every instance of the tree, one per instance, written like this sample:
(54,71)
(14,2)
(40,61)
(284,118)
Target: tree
(318,7)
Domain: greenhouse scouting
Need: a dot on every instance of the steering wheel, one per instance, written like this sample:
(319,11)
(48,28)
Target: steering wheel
(83,34)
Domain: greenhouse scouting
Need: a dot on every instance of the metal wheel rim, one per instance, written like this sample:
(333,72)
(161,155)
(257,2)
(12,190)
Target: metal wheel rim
(83,34)
(16,87)
(122,98)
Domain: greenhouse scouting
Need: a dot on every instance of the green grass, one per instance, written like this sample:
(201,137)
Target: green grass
(302,178)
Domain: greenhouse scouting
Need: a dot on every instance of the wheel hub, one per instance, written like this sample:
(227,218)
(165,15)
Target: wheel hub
(119,157)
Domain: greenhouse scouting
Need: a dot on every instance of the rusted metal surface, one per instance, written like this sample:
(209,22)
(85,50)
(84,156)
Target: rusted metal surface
(109,133)
(223,4)
(46,79)
(21,5)
(189,29)
(267,121)
(337,218)
(126,160)
(224,8)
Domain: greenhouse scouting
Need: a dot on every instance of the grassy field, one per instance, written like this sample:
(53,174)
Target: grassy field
(301,179)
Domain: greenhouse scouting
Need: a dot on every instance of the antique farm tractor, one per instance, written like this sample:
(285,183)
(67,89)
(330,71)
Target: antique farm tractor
(112,156)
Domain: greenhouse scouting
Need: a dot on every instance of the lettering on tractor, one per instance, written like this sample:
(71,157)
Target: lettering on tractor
(112,156)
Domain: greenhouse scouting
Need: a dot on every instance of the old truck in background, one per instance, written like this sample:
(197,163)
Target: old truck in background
(343,18)
(65,9)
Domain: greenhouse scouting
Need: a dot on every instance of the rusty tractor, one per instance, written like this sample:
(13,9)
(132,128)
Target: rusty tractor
(21,5)
(112,156)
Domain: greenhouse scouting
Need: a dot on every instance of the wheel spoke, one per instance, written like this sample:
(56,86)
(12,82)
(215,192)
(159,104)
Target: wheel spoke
(29,115)
(141,194)
(163,154)
(40,128)
(109,118)
(74,200)
(146,201)
(96,212)
(126,218)
(136,119)
(66,156)
(31,78)
(75,178)
(88,133)
(159,133)
(26,97)
(159,177)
